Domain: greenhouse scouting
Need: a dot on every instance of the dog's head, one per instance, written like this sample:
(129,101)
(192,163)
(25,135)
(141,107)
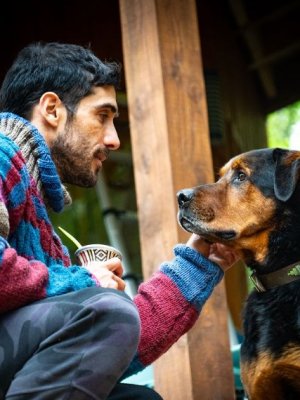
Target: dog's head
(241,209)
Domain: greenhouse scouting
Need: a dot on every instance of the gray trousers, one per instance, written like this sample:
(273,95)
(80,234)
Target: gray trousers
(74,346)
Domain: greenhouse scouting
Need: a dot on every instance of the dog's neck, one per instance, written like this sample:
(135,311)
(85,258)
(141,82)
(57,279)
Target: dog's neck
(282,276)
(281,249)
(282,262)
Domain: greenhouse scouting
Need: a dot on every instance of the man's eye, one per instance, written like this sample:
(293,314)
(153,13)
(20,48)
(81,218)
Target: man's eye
(240,176)
(103,117)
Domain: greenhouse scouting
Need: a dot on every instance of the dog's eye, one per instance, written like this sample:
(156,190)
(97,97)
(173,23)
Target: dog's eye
(240,176)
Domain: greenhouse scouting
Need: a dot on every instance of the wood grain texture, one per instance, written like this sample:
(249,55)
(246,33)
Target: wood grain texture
(171,151)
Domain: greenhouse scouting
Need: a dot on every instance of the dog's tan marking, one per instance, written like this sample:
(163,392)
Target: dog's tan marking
(292,156)
(242,208)
(235,164)
(263,378)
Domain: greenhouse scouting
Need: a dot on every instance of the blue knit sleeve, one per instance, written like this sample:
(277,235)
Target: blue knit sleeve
(63,280)
(194,274)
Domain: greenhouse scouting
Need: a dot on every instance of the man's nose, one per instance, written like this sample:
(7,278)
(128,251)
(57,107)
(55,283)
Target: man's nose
(111,138)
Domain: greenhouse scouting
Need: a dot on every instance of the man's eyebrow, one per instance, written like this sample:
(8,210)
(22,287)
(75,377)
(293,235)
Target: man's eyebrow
(112,107)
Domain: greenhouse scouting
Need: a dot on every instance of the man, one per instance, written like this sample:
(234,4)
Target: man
(65,331)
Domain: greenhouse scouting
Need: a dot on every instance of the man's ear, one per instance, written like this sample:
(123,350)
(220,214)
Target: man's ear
(51,109)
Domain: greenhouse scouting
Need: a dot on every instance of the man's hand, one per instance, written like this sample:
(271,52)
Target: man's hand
(108,273)
(222,255)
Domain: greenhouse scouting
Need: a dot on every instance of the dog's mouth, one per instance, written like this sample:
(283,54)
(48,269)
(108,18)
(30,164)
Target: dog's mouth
(212,235)
(199,220)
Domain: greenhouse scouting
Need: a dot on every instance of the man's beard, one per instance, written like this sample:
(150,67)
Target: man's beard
(73,162)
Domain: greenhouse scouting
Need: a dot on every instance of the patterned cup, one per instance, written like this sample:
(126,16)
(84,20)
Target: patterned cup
(92,253)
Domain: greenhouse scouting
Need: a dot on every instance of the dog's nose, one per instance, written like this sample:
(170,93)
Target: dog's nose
(184,197)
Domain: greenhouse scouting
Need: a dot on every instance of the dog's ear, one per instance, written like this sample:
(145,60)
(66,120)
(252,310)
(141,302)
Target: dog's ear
(287,173)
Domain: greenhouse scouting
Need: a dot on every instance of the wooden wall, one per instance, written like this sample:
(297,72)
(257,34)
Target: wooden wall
(244,118)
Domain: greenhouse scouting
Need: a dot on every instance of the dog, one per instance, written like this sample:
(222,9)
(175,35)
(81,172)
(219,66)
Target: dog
(254,207)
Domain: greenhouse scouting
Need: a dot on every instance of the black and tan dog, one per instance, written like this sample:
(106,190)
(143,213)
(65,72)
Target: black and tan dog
(255,208)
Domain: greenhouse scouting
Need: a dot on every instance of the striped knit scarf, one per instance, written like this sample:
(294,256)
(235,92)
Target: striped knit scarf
(38,160)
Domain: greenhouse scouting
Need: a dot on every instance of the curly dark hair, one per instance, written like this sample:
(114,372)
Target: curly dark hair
(69,70)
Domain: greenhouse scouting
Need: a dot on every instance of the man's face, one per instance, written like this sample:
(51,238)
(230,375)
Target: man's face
(79,150)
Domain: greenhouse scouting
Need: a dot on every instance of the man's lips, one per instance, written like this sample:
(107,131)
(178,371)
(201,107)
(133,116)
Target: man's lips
(101,154)
(100,158)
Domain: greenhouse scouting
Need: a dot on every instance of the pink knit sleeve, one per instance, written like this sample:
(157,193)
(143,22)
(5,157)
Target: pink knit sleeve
(165,316)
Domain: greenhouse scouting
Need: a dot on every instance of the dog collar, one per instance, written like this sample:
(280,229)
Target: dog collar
(263,282)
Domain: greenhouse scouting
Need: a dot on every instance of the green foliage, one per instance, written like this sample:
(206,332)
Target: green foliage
(280,125)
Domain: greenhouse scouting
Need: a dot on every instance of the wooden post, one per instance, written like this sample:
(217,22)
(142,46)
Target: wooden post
(171,150)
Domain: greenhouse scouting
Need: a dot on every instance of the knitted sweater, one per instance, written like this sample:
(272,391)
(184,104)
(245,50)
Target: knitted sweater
(34,263)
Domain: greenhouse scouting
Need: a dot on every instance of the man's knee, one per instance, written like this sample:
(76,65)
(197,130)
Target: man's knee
(120,315)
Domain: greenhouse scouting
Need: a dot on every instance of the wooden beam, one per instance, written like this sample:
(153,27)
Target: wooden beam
(171,150)
(253,43)
(274,15)
(276,56)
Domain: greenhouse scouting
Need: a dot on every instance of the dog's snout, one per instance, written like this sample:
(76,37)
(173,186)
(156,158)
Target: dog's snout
(184,197)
